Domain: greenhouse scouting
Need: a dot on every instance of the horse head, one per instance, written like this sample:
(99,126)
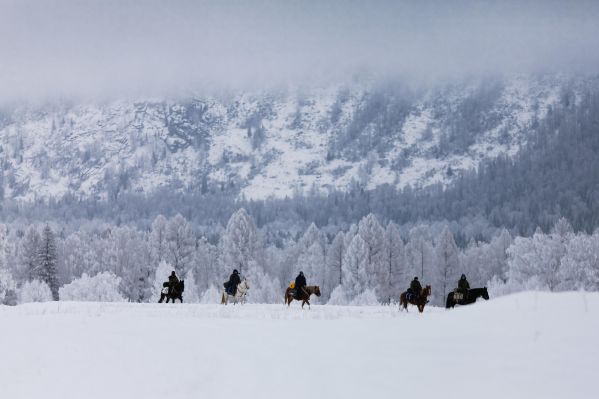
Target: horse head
(485,294)
(244,285)
(427,291)
(182,285)
(317,290)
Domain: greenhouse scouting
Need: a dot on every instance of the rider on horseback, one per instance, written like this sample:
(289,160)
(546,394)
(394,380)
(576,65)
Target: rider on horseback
(300,283)
(415,288)
(173,280)
(234,281)
(463,286)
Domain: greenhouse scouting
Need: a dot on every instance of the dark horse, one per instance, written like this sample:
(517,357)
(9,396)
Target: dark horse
(302,296)
(175,293)
(473,295)
(419,301)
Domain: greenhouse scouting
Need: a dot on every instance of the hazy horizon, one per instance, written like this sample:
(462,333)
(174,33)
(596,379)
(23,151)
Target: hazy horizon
(69,48)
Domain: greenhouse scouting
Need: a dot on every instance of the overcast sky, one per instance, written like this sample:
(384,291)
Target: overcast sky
(153,47)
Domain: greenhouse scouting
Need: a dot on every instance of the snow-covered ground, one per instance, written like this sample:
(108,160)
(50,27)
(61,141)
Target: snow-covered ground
(529,345)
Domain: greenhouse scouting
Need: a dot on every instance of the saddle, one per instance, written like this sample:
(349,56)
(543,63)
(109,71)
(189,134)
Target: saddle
(295,294)
(410,296)
(458,295)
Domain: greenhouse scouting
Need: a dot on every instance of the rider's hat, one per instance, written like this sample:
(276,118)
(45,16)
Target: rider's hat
(416,278)
(463,276)
(235,271)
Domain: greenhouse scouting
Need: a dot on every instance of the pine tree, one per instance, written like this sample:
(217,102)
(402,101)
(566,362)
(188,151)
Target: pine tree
(47,260)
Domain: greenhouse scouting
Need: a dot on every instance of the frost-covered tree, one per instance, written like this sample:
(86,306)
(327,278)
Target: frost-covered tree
(377,270)
(580,264)
(132,263)
(263,288)
(29,253)
(35,291)
(191,294)
(311,261)
(534,262)
(355,261)
(334,265)
(448,265)
(395,261)
(240,243)
(420,254)
(205,265)
(496,261)
(47,260)
(103,287)
(311,255)
(7,287)
(180,243)
(158,245)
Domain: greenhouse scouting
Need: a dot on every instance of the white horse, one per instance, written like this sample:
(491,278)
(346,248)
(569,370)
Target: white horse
(240,295)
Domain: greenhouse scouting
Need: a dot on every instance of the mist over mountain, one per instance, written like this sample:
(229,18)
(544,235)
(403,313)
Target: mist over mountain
(111,49)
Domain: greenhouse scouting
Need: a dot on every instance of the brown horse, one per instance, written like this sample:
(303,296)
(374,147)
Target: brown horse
(304,297)
(419,302)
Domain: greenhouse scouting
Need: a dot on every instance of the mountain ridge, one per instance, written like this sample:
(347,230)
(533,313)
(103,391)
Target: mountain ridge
(271,143)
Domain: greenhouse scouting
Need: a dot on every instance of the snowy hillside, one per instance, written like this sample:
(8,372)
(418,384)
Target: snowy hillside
(526,345)
(273,143)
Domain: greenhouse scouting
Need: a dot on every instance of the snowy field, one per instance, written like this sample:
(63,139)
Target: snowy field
(530,345)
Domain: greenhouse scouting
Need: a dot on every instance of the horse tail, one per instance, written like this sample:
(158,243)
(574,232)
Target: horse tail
(448,302)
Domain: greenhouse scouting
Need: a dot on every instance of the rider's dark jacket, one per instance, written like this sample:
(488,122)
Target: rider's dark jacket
(416,287)
(233,282)
(173,280)
(300,282)
(463,285)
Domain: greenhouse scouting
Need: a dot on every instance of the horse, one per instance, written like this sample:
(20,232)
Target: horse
(175,293)
(304,297)
(239,297)
(472,296)
(419,302)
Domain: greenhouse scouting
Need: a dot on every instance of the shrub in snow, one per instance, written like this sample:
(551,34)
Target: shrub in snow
(191,294)
(338,296)
(103,287)
(7,288)
(211,295)
(263,288)
(366,298)
(35,291)
(497,287)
